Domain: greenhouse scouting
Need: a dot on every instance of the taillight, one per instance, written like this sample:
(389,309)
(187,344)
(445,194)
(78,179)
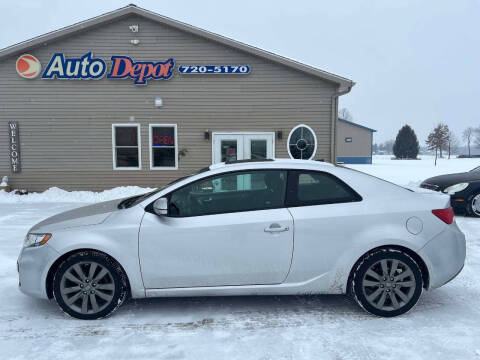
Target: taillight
(446,215)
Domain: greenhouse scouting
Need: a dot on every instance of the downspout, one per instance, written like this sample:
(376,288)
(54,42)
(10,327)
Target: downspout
(371,147)
(334,110)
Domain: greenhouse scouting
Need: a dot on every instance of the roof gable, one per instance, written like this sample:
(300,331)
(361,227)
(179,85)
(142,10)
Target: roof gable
(344,84)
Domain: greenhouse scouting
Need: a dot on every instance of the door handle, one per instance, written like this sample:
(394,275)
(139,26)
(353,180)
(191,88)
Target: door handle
(276,228)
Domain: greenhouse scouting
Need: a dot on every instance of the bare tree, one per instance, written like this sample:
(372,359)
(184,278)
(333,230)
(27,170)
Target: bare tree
(477,136)
(389,146)
(345,114)
(452,143)
(437,139)
(468,135)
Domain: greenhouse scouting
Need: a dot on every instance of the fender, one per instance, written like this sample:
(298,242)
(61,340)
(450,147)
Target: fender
(105,238)
(345,264)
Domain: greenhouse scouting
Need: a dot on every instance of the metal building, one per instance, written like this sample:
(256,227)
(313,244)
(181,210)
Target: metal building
(135,98)
(354,143)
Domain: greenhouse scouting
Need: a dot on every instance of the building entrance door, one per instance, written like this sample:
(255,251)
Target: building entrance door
(241,146)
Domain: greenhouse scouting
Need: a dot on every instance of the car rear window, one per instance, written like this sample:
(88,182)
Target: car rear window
(315,188)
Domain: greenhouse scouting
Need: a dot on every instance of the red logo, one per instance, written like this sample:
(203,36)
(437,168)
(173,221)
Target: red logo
(28,66)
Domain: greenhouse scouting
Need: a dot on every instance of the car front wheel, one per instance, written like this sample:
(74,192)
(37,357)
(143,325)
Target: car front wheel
(89,285)
(387,283)
(474,205)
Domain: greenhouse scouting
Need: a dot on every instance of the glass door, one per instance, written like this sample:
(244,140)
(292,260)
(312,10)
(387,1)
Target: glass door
(227,147)
(258,146)
(238,146)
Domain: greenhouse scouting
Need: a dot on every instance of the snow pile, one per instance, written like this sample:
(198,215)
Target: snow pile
(55,194)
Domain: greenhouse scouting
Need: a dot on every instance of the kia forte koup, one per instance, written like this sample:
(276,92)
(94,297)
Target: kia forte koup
(274,227)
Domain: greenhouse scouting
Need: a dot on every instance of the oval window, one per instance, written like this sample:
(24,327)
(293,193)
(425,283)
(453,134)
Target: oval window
(302,143)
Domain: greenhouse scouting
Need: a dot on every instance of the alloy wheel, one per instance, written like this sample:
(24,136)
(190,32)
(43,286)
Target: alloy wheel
(389,284)
(476,205)
(87,287)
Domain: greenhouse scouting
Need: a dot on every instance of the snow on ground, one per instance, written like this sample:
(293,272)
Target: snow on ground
(413,172)
(445,324)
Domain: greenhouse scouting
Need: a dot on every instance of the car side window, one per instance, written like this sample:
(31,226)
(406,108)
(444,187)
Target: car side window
(315,188)
(232,192)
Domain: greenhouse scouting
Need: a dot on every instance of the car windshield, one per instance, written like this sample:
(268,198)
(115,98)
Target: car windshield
(477,169)
(137,199)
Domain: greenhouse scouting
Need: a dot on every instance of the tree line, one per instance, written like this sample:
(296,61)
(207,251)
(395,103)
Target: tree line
(442,140)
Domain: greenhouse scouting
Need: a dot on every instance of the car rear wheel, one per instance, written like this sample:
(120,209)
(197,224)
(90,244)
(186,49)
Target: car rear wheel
(387,283)
(474,205)
(89,285)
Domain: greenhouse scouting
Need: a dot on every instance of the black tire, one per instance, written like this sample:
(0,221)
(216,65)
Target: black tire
(114,278)
(361,288)
(470,210)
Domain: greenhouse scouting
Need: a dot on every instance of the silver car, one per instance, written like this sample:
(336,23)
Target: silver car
(278,227)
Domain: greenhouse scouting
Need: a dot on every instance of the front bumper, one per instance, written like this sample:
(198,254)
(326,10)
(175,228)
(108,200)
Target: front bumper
(33,264)
(445,255)
(459,204)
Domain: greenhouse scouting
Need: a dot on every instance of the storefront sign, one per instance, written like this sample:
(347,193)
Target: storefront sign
(123,67)
(14,149)
(85,67)
(214,69)
(166,140)
(90,67)
(28,66)
(163,136)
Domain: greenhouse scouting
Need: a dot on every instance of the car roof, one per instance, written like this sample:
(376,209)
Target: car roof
(269,163)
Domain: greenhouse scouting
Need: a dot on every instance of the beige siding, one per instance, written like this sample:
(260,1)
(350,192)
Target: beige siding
(65,125)
(361,145)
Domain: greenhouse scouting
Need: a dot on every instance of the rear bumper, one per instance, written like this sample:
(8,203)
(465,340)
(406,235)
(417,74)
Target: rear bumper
(458,201)
(445,255)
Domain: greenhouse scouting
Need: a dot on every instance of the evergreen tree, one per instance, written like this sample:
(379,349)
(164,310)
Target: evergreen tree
(406,144)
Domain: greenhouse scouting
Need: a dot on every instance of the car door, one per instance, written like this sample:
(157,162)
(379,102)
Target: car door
(328,214)
(229,229)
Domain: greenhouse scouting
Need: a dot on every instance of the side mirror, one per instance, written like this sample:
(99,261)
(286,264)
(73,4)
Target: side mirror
(160,206)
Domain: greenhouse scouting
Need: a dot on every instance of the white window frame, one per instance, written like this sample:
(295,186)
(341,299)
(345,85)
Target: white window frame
(150,126)
(139,147)
(314,138)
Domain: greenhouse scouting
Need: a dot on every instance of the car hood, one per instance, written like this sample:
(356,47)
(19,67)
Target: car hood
(85,215)
(444,181)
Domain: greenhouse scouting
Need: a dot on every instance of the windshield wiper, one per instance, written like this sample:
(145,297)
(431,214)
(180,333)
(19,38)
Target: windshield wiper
(125,204)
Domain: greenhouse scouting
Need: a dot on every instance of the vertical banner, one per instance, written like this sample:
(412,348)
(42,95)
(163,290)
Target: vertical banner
(14,149)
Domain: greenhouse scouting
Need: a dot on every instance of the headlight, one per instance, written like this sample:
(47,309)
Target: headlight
(455,188)
(36,239)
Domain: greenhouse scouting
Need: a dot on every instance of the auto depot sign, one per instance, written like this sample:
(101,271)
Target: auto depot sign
(89,67)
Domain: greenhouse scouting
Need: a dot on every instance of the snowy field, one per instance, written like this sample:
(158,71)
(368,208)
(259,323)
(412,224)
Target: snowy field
(413,172)
(444,325)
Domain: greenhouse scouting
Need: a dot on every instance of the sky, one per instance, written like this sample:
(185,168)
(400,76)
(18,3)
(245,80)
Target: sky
(414,62)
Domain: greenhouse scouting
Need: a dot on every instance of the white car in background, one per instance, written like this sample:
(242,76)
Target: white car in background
(278,227)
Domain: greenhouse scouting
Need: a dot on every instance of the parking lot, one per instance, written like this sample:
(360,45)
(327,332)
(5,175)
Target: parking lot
(445,323)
